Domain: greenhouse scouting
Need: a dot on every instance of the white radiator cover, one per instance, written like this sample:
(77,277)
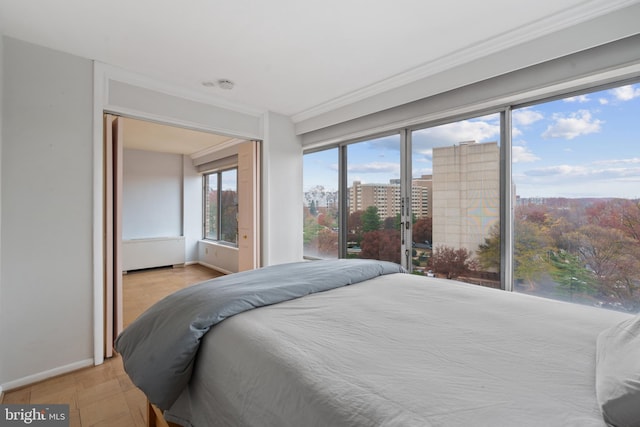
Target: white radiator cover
(152,252)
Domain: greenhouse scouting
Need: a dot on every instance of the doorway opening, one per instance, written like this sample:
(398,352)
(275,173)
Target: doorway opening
(153,203)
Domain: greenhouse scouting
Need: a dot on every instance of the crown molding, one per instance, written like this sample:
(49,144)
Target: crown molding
(215,148)
(556,22)
(112,72)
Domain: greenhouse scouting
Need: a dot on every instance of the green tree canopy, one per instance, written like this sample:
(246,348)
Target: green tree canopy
(371,219)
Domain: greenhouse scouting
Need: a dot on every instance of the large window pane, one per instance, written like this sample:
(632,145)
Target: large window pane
(211,206)
(320,210)
(456,200)
(221,206)
(373,177)
(577,217)
(229,206)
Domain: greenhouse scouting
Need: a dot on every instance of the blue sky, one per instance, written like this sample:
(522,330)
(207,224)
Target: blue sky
(584,146)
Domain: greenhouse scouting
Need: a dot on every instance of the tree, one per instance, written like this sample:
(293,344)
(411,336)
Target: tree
(489,251)
(574,280)
(613,257)
(326,220)
(381,244)
(328,243)
(311,230)
(370,219)
(229,216)
(451,262)
(354,226)
(391,223)
(621,214)
(531,249)
(313,209)
(423,229)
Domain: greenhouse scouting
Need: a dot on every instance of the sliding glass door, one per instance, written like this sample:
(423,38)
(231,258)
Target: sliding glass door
(455,189)
(374,205)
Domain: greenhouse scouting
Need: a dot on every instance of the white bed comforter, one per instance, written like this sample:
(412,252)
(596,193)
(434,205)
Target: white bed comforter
(400,350)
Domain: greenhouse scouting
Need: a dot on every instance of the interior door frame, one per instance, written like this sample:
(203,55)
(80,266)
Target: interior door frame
(105,102)
(113,184)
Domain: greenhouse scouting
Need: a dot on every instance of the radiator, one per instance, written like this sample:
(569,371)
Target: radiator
(152,252)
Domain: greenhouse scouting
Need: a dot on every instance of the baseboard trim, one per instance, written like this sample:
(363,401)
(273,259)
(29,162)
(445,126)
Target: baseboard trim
(45,375)
(213,267)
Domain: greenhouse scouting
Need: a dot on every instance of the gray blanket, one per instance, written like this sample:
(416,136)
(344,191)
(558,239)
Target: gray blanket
(158,349)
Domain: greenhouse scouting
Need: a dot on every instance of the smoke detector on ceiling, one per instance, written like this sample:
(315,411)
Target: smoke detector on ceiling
(225,84)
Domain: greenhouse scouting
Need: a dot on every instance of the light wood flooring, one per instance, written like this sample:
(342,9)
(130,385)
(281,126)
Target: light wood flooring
(103,396)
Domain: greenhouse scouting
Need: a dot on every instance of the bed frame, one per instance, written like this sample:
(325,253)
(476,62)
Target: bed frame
(155,417)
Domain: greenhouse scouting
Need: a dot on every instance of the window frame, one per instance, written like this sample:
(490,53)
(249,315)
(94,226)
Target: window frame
(218,173)
(505,110)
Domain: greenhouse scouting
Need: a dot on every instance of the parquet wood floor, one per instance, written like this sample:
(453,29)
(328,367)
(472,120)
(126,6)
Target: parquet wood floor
(103,396)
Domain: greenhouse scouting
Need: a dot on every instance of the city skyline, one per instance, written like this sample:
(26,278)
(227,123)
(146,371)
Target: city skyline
(582,146)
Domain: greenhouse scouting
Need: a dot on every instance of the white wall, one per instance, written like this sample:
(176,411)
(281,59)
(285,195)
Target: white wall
(46,319)
(192,213)
(162,197)
(1,133)
(219,257)
(282,191)
(151,194)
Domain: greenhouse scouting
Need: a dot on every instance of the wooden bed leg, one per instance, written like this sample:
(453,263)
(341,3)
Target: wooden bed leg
(155,417)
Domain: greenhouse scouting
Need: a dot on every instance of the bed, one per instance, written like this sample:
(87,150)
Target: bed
(390,349)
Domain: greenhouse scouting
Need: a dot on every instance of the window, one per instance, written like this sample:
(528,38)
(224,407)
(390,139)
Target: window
(576,173)
(373,181)
(456,200)
(570,229)
(221,206)
(320,204)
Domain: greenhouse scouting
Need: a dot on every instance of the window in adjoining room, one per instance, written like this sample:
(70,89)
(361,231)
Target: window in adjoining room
(221,206)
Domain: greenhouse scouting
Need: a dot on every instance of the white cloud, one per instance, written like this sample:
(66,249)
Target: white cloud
(626,93)
(610,171)
(526,116)
(573,125)
(603,101)
(516,132)
(631,161)
(425,155)
(558,170)
(520,154)
(454,133)
(417,173)
(605,178)
(374,167)
(580,99)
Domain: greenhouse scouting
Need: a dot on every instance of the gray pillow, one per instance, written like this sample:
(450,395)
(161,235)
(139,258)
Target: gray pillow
(618,373)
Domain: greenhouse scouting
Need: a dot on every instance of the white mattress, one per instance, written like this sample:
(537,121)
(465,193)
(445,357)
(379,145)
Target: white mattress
(400,350)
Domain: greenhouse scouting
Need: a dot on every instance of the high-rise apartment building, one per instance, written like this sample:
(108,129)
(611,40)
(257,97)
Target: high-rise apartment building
(466,193)
(386,197)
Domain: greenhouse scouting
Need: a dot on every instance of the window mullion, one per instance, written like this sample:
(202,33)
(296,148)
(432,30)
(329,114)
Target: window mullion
(343,205)
(219,209)
(506,202)
(405,195)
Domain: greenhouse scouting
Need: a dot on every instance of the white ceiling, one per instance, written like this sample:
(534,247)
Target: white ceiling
(149,136)
(288,56)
